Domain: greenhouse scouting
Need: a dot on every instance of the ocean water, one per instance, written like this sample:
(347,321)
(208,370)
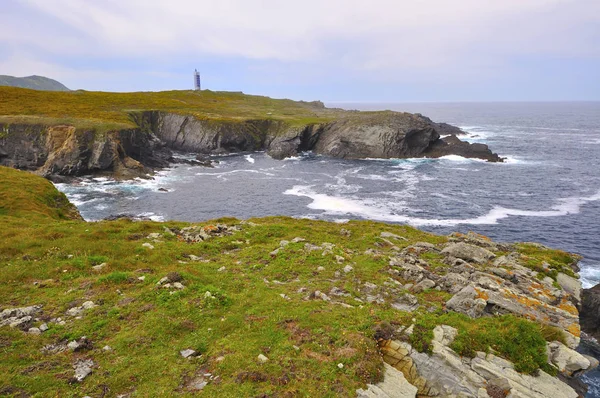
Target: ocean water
(547,191)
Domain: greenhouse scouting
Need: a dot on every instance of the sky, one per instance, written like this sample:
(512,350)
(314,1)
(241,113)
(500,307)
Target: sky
(332,50)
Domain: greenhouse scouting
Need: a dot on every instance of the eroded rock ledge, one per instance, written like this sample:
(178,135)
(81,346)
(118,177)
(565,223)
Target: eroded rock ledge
(67,151)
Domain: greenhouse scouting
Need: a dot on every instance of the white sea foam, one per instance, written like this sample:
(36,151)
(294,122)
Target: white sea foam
(384,212)
(461,159)
(249,158)
(152,216)
(589,275)
(225,173)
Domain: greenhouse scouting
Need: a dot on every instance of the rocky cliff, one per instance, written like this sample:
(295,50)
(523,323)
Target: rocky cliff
(368,135)
(65,150)
(54,151)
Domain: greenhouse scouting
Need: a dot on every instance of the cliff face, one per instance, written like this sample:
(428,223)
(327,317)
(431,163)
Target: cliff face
(379,135)
(65,150)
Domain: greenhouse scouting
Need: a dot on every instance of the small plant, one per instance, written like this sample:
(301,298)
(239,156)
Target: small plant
(115,278)
(97,260)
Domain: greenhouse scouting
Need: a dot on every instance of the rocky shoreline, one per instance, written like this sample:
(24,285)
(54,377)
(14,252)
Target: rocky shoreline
(58,151)
(375,310)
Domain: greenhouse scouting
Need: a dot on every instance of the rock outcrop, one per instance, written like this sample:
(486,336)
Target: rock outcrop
(368,135)
(67,151)
(444,373)
(590,311)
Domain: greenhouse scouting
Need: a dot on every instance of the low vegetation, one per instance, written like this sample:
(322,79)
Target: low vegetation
(241,298)
(107,110)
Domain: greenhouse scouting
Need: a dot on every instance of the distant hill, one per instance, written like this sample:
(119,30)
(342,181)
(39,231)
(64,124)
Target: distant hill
(33,82)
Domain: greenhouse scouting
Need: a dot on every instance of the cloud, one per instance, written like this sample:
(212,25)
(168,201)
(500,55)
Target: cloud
(386,32)
(388,40)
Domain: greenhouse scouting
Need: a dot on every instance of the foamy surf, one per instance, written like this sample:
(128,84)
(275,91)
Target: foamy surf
(589,275)
(381,212)
(249,158)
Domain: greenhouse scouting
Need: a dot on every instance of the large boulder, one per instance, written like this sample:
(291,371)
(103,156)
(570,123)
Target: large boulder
(590,311)
(394,385)
(452,145)
(567,361)
(468,252)
(467,302)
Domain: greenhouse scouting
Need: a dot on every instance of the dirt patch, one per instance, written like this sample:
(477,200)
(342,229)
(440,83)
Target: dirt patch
(255,377)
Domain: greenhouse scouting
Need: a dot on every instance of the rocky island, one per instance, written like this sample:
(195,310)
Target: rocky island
(128,134)
(276,307)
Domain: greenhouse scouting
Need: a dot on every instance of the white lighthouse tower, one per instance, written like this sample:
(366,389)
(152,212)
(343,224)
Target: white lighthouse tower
(197,86)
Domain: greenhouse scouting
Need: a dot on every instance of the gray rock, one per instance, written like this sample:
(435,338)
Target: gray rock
(467,302)
(99,266)
(187,353)
(77,311)
(83,368)
(339,259)
(34,331)
(148,245)
(453,282)
(73,345)
(19,317)
(468,252)
(262,359)
(567,361)
(320,295)
(444,334)
(502,373)
(43,327)
(390,235)
(20,323)
(406,302)
(425,245)
(348,268)
(571,286)
(394,385)
(423,285)
(310,247)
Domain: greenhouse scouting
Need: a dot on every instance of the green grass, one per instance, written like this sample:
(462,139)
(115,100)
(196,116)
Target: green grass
(46,258)
(21,195)
(516,339)
(555,260)
(105,110)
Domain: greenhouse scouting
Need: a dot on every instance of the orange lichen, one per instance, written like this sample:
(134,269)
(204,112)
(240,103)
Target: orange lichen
(482,294)
(482,237)
(574,330)
(568,306)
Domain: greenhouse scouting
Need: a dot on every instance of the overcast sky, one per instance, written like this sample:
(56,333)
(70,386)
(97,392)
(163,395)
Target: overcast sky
(334,50)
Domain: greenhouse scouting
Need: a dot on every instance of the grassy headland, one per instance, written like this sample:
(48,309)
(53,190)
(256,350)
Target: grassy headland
(112,110)
(249,289)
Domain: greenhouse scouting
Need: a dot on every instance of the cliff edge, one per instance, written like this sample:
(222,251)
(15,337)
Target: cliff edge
(76,133)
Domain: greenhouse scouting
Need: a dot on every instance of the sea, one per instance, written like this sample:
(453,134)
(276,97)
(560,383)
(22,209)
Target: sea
(547,190)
